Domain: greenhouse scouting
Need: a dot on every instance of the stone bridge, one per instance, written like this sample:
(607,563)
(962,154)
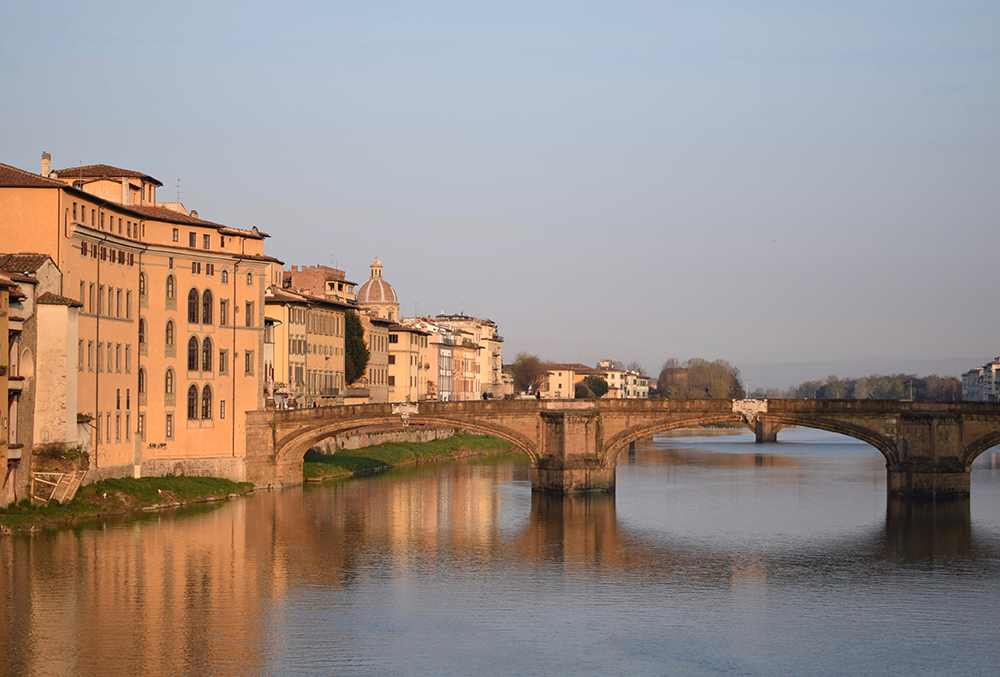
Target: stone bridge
(574,445)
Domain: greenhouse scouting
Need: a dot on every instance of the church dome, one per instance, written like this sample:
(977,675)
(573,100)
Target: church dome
(376,290)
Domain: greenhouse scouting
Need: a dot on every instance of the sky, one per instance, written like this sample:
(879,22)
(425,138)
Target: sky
(793,187)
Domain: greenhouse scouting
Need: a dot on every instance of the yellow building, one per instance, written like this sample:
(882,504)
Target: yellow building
(170,346)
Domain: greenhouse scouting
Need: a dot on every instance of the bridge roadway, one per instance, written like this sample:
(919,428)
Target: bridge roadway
(574,445)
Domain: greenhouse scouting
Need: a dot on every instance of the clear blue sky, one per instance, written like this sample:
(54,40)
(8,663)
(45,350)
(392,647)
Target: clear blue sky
(768,181)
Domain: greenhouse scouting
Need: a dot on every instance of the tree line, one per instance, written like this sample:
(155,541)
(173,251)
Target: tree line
(874,387)
(698,378)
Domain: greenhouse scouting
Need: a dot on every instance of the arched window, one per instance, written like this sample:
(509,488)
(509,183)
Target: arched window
(193,302)
(168,382)
(142,331)
(193,403)
(170,287)
(249,279)
(170,333)
(142,381)
(142,284)
(225,276)
(206,402)
(206,307)
(206,355)
(193,353)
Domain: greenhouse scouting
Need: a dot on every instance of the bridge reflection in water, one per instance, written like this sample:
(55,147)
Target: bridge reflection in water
(262,585)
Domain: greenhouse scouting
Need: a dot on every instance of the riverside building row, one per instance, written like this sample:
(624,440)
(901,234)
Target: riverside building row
(139,333)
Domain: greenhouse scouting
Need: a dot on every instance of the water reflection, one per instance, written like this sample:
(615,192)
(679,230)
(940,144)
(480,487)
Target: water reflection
(385,574)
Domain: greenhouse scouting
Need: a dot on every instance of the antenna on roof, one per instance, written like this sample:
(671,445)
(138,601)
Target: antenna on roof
(178,185)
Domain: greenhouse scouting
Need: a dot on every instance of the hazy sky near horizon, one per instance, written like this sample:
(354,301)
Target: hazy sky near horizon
(761,182)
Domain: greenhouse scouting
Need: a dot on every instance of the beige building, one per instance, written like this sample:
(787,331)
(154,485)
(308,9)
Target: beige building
(408,365)
(377,339)
(440,356)
(308,347)
(490,359)
(171,325)
(562,379)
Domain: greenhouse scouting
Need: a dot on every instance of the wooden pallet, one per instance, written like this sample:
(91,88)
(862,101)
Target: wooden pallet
(60,486)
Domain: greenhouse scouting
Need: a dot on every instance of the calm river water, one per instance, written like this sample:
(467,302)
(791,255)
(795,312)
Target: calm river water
(716,556)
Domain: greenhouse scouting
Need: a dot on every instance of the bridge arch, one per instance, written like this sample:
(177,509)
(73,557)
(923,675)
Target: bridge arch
(980,446)
(293,446)
(886,446)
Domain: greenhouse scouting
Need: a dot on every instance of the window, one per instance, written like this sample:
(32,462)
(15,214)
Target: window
(249,279)
(392,359)
(170,334)
(170,261)
(222,408)
(90,298)
(100,356)
(223,361)
(79,355)
(107,427)
(100,417)
(100,299)
(210,269)
(142,331)
(224,311)
(193,403)
(193,353)
(74,211)
(176,234)
(206,241)
(206,354)
(222,240)
(196,267)
(168,427)
(206,402)
(250,322)
(168,383)
(171,292)
(142,284)
(142,381)
(193,301)
(90,356)
(392,380)
(128,304)
(192,240)
(118,357)
(248,363)
(225,276)
(83,249)
(140,429)
(128,358)
(393,338)
(118,427)
(206,307)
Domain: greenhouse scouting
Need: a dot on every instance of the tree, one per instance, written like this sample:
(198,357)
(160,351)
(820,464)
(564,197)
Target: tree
(356,353)
(637,368)
(582,392)
(528,372)
(596,385)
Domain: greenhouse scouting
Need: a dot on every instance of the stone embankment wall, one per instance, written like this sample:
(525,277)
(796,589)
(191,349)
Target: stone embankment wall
(358,440)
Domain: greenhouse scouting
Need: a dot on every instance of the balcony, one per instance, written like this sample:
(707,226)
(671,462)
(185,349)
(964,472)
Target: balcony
(15,384)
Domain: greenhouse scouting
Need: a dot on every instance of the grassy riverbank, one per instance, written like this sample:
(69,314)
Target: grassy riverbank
(318,467)
(119,497)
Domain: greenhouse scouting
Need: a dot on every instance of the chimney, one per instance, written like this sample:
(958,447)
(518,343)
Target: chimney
(125,191)
(46,164)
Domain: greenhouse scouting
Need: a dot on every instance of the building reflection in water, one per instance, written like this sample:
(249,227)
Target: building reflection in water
(213,591)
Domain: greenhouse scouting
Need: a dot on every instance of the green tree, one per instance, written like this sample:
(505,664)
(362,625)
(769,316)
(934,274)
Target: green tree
(356,353)
(528,372)
(596,384)
(582,392)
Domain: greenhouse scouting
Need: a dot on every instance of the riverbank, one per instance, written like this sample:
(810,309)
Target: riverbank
(120,497)
(319,467)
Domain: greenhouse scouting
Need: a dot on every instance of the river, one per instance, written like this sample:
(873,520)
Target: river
(715,556)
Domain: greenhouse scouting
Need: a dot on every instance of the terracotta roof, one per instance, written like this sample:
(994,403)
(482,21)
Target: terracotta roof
(7,282)
(50,299)
(276,296)
(102,171)
(376,290)
(412,330)
(12,177)
(22,262)
(164,214)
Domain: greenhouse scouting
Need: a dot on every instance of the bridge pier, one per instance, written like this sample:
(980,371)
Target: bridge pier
(766,431)
(570,459)
(929,449)
(925,483)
